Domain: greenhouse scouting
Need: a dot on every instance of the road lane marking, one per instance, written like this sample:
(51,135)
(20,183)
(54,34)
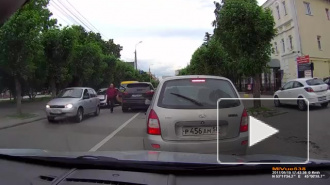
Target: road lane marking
(100,144)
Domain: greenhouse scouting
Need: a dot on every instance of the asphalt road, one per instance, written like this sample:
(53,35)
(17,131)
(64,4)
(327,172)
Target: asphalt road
(125,131)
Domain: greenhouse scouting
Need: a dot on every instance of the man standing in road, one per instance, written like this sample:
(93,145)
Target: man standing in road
(111,94)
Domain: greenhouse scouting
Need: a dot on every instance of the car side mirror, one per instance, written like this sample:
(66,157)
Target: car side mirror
(281,88)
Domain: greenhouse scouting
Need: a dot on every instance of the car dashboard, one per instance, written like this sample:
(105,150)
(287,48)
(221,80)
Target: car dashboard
(18,173)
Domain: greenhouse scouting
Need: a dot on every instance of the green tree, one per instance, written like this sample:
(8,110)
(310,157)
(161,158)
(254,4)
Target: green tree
(20,42)
(58,49)
(109,70)
(245,31)
(87,61)
(124,72)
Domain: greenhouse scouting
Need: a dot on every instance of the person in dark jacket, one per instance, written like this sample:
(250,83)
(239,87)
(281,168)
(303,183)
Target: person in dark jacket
(111,94)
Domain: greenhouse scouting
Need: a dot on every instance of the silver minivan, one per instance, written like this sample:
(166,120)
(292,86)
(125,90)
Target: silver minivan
(182,117)
(74,102)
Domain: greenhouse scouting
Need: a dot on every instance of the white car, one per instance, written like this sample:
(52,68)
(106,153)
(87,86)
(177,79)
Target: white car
(102,95)
(313,89)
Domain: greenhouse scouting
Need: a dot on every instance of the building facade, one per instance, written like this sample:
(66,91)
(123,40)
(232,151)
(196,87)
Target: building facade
(302,30)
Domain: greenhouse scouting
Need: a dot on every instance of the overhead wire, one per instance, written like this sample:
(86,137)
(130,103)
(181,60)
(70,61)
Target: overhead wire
(64,12)
(82,16)
(66,20)
(75,16)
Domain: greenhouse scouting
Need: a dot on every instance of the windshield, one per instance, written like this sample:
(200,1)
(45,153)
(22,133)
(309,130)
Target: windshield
(195,81)
(70,93)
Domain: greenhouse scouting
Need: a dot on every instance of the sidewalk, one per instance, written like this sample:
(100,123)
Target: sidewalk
(247,95)
(35,111)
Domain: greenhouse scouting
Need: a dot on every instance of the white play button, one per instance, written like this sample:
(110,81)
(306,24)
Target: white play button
(259,131)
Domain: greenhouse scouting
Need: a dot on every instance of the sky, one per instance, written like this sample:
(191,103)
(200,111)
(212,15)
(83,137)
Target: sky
(170,30)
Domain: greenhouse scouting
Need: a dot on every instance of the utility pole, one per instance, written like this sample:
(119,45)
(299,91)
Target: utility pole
(135,59)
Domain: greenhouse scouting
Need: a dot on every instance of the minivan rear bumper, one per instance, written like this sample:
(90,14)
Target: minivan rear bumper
(139,103)
(226,147)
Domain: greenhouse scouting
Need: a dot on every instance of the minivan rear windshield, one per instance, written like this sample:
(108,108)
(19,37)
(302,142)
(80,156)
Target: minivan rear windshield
(197,94)
(312,82)
(141,85)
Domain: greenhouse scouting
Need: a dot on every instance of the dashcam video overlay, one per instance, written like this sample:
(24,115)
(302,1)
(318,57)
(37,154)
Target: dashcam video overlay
(251,130)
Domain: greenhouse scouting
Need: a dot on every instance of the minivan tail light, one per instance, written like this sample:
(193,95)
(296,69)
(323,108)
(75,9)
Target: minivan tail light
(150,92)
(309,89)
(244,122)
(153,126)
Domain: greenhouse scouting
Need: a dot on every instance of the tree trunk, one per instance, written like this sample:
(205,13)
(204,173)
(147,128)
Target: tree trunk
(256,91)
(53,87)
(18,95)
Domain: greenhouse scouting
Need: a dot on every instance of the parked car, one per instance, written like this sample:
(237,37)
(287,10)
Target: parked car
(102,95)
(327,81)
(314,90)
(182,117)
(137,96)
(75,102)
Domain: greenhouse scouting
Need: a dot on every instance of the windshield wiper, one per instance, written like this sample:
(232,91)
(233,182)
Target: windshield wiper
(187,98)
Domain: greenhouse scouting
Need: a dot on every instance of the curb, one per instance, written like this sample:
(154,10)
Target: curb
(22,123)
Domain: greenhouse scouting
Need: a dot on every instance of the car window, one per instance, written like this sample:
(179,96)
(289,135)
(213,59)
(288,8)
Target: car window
(288,86)
(297,85)
(327,80)
(86,93)
(91,93)
(138,87)
(207,93)
(314,81)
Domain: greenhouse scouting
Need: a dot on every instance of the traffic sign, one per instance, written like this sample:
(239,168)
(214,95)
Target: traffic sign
(303,59)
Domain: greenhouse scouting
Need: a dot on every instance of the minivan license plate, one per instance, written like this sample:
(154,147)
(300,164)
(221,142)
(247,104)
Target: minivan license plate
(193,131)
(136,95)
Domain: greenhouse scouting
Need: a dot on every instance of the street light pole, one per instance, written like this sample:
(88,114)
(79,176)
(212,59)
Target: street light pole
(136,55)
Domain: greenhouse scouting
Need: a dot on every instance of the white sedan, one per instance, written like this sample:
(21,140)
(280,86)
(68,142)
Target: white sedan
(312,89)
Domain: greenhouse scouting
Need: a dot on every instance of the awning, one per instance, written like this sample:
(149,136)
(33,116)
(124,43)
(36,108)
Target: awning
(274,63)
